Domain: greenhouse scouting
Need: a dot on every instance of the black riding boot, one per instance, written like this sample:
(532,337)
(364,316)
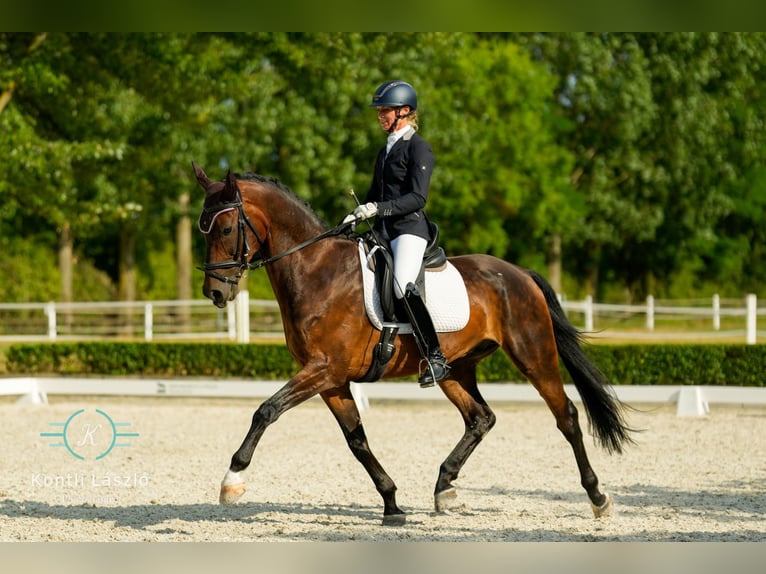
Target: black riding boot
(437,368)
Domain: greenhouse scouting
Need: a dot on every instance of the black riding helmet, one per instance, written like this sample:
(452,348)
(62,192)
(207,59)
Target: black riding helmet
(395,94)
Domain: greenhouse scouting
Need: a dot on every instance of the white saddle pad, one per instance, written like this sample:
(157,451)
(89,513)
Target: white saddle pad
(446,298)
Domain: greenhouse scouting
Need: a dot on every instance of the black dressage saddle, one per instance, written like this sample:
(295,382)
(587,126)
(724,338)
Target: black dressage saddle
(382,264)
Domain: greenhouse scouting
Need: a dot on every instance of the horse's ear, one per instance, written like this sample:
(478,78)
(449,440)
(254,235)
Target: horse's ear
(202,177)
(211,187)
(231,187)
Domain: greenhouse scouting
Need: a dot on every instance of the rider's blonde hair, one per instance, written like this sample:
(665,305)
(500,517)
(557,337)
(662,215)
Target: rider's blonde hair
(413,119)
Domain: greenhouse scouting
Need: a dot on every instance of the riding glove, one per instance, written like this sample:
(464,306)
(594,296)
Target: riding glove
(364,211)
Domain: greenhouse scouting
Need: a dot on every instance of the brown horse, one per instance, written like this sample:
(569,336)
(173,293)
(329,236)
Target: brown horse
(251,221)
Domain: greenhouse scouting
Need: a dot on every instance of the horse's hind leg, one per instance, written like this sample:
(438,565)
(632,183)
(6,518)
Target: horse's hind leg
(462,391)
(341,403)
(540,366)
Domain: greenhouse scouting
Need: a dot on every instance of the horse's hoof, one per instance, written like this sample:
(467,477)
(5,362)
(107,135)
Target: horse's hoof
(445,500)
(231,493)
(394,519)
(232,488)
(605,510)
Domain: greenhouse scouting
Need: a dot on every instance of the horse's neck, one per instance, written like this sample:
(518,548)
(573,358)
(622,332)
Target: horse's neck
(288,225)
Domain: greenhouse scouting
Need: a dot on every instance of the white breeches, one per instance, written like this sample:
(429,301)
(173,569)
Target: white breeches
(408,253)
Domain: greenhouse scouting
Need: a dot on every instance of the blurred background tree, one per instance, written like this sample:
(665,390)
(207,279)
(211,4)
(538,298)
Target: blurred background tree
(619,164)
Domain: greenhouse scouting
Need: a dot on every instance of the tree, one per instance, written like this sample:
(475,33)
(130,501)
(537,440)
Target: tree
(738,239)
(650,112)
(50,155)
(502,173)
(637,159)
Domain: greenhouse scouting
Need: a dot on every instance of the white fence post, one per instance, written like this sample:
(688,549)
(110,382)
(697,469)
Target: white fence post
(50,311)
(148,321)
(752,310)
(231,322)
(716,312)
(588,313)
(650,312)
(242,303)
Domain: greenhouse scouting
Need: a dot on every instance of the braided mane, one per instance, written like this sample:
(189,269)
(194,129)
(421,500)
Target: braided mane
(250,176)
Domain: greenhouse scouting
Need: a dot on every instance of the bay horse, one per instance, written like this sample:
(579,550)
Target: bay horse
(252,221)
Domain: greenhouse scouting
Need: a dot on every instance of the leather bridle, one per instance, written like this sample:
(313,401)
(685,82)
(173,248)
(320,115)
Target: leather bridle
(256,260)
(244,260)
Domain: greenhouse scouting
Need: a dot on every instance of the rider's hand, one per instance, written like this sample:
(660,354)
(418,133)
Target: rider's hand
(365,211)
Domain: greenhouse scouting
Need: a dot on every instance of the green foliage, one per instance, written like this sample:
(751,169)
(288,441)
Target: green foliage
(665,128)
(35,277)
(501,181)
(643,152)
(158,281)
(734,365)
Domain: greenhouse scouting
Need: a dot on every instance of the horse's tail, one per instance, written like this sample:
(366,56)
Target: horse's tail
(604,410)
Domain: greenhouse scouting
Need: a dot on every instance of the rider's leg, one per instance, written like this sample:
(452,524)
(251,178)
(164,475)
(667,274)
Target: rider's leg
(408,253)
(428,343)
(408,256)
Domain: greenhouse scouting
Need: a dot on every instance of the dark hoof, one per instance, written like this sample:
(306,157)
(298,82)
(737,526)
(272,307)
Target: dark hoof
(394,519)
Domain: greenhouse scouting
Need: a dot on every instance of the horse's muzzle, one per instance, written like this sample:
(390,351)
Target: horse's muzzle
(220,297)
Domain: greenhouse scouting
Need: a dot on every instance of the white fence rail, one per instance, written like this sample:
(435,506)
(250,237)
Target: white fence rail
(702,319)
(196,319)
(252,319)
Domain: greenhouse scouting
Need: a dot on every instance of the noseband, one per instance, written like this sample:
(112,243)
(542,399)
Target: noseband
(243,247)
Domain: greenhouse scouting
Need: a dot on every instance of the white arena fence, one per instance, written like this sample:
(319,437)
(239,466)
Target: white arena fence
(713,318)
(259,319)
(190,320)
(690,401)
(251,320)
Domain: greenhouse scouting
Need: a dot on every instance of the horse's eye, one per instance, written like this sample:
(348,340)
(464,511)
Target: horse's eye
(227,230)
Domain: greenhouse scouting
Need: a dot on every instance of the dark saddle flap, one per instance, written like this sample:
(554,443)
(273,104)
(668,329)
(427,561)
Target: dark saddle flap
(434,259)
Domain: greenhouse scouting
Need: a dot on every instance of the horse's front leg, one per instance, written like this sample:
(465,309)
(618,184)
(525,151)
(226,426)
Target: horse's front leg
(307,383)
(341,403)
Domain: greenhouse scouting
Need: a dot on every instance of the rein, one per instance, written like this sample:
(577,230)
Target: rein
(337,230)
(256,261)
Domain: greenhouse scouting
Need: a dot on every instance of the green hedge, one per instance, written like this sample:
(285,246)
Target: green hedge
(264,362)
(737,365)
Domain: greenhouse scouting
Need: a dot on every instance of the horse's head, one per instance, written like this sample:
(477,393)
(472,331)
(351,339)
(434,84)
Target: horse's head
(228,234)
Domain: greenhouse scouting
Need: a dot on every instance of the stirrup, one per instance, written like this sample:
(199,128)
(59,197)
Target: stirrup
(436,370)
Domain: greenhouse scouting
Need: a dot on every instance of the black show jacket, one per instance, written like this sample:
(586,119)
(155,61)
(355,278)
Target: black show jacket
(400,186)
